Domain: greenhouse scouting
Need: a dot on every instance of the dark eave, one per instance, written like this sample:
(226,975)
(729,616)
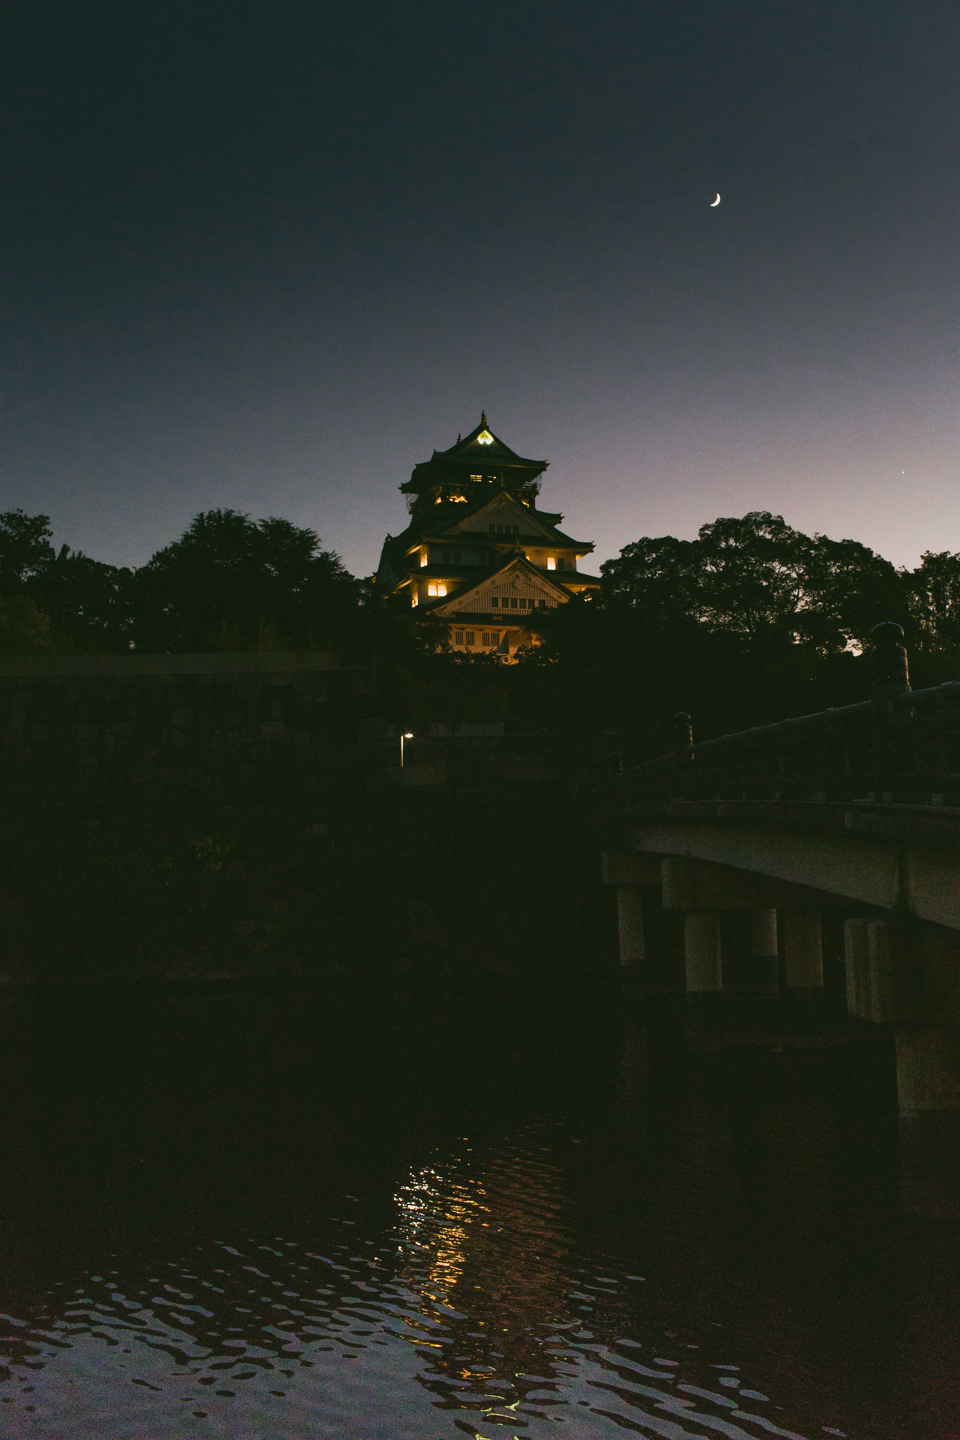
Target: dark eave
(468,447)
(468,456)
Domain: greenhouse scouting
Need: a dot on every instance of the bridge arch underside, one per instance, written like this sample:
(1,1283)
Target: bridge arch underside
(892,874)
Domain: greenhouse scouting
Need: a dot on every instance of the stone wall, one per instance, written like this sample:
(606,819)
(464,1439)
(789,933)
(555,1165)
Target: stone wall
(115,731)
(177,817)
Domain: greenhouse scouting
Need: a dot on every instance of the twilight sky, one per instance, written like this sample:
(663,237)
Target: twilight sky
(269,255)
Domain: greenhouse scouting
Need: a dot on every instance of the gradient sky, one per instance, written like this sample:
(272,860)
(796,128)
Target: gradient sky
(269,255)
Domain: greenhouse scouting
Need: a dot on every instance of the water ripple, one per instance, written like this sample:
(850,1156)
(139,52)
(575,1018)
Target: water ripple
(464,1317)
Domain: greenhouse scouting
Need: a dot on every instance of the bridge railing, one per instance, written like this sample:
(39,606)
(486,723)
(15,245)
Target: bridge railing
(900,747)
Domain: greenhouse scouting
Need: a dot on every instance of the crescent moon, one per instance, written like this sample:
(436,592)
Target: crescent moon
(714,203)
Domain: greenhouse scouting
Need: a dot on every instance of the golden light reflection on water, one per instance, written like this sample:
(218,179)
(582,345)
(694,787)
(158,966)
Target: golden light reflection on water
(485,1240)
(581,1264)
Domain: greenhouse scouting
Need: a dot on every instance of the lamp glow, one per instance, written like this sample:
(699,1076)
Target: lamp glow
(406,735)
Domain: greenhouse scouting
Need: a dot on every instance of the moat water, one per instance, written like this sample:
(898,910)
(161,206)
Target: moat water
(284,1217)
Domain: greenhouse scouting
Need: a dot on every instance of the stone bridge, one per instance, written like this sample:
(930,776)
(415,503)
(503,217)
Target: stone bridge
(852,813)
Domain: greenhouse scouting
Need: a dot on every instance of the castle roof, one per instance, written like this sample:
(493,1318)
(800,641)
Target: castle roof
(480,448)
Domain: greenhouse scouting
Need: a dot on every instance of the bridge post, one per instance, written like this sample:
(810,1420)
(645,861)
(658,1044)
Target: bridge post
(868,956)
(857,965)
(629,872)
(928,1068)
(889,673)
(683,736)
(763,947)
(701,951)
(803,949)
(630,926)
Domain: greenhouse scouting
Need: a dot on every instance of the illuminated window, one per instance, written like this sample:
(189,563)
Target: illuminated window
(423,558)
(551,563)
(456,498)
(484,438)
(458,637)
(414,598)
(476,477)
(436,589)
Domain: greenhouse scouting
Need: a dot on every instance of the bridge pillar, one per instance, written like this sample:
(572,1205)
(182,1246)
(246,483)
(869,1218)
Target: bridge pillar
(928,1099)
(701,951)
(630,926)
(803,949)
(928,1067)
(857,965)
(628,872)
(763,947)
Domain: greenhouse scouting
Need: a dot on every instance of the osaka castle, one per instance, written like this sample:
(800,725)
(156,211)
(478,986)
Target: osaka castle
(478,552)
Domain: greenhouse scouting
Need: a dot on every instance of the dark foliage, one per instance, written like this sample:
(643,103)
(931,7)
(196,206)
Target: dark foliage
(749,622)
(86,603)
(231,583)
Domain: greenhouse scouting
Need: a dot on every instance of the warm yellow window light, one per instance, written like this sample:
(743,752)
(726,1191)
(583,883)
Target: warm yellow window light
(441,589)
(436,589)
(423,558)
(484,438)
(551,563)
(414,598)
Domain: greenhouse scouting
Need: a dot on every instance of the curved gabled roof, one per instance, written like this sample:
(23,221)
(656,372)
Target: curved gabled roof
(484,443)
(481,446)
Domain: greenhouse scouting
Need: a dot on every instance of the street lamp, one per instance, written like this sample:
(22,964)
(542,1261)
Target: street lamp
(408,735)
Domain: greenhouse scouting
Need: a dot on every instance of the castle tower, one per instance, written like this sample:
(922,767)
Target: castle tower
(477,551)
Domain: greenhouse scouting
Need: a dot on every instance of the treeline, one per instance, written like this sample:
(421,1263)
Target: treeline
(750,621)
(228,583)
